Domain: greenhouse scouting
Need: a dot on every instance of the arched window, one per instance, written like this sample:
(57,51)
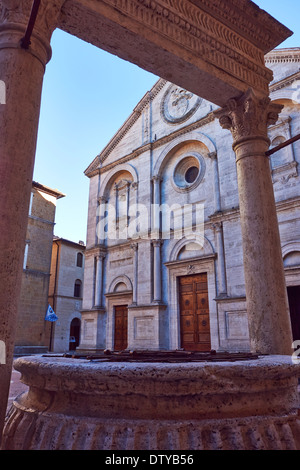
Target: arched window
(74,334)
(77,288)
(79,260)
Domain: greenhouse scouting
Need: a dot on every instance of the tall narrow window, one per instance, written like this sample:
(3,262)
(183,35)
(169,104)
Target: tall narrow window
(77,288)
(79,260)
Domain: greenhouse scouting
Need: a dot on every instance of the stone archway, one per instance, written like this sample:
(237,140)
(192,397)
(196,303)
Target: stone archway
(216,50)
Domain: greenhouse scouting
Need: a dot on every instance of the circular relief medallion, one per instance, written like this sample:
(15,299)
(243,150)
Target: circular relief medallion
(179,104)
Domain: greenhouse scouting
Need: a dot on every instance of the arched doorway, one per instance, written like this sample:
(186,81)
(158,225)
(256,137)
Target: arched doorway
(74,334)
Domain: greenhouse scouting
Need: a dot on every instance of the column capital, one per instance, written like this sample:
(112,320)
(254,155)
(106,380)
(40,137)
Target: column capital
(157,242)
(100,256)
(15,16)
(248,117)
(134,246)
(213,155)
(156,179)
(101,200)
(218,226)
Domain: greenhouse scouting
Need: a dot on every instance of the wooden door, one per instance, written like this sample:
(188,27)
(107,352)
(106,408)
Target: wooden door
(121,326)
(194,313)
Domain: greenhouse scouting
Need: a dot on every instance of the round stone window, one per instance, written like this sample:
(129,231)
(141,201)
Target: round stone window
(188,172)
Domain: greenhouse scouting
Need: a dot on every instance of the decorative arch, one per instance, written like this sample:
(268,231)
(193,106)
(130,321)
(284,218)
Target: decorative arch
(113,173)
(206,248)
(192,136)
(120,279)
(289,248)
(291,254)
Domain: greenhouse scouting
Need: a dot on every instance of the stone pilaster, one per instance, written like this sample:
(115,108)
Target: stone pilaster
(157,270)
(213,156)
(134,247)
(155,207)
(99,280)
(269,323)
(22,71)
(221,269)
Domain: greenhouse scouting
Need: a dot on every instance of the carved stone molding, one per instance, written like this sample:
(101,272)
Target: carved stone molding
(248,117)
(200,32)
(97,250)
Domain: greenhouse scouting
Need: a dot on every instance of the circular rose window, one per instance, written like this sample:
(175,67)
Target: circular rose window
(188,172)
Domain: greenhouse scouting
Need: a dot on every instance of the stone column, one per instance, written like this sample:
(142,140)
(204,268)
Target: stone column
(222,285)
(22,71)
(99,280)
(157,270)
(134,246)
(269,322)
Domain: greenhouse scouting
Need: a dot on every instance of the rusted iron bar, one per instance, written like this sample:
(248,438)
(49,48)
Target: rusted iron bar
(177,356)
(25,41)
(284,144)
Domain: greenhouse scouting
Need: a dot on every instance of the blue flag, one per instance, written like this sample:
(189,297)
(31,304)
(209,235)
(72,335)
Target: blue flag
(50,315)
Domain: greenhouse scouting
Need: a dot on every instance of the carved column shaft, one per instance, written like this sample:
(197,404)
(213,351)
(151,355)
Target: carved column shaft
(269,323)
(22,71)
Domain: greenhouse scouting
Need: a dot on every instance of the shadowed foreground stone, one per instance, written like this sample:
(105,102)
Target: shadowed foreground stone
(82,404)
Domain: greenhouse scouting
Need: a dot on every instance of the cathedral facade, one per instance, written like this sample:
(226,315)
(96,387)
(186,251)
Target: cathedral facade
(164,261)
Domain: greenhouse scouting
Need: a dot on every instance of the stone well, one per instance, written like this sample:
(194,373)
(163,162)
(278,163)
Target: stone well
(84,404)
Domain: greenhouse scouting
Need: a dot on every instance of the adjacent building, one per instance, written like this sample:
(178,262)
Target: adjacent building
(65,293)
(164,260)
(33,332)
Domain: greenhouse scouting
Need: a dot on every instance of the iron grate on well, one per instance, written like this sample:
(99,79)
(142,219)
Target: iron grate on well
(146,356)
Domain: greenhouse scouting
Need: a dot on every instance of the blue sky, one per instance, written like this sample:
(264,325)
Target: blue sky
(87,96)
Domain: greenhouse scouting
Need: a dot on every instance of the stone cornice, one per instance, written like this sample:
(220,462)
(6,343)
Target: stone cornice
(284,82)
(248,20)
(283,56)
(222,43)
